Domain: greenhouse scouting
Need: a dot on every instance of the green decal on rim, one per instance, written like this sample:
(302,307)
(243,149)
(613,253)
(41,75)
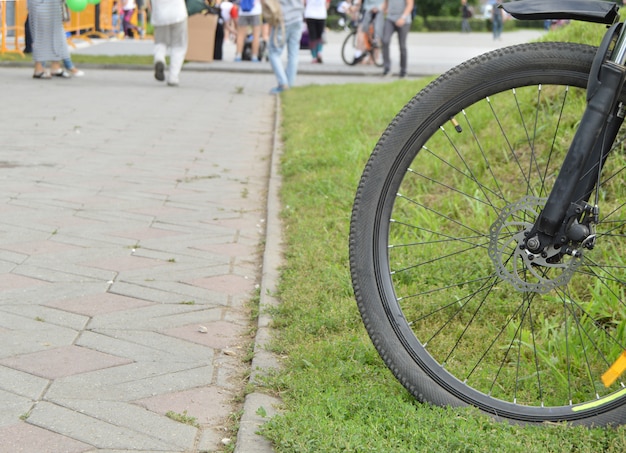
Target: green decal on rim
(600,402)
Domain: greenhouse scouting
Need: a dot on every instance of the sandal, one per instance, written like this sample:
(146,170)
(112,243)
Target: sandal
(61,73)
(42,75)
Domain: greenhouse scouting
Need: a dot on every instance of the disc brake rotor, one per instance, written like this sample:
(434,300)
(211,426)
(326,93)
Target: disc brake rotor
(527,271)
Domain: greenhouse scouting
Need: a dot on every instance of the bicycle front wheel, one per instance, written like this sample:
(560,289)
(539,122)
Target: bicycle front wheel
(349,48)
(456,311)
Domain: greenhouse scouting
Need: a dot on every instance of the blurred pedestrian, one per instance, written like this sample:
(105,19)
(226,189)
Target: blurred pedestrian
(372,15)
(225,26)
(289,35)
(141,17)
(497,19)
(116,19)
(128,10)
(398,20)
(250,18)
(49,43)
(315,15)
(343,8)
(169,19)
(466,14)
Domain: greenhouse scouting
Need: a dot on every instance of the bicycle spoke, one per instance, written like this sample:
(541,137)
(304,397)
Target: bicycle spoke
(442,289)
(489,193)
(446,186)
(459,305)
(468,170)
(433,260)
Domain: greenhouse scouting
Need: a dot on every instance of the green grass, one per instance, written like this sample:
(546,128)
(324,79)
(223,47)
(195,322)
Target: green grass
(577,32)
(79,59)
(183,418)
(113,59)
(338,395)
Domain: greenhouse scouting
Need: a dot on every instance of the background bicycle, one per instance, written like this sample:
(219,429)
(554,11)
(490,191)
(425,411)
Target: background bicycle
(352,52)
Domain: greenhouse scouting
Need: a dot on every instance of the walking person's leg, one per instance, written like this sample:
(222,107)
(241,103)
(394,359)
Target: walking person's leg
(178,50)
(363,30)
(161,33)
(293,33)
(310,25)
(125,22)
(69,65)
(388,29)
(276,46)
(256,38)
(128,25)
(403,33)
(242,32)
(321,27)
(379,21)
(28,37)
(219,41)
(497,29)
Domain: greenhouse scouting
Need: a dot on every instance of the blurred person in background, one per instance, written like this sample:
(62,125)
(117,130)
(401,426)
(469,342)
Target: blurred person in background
(398,20)
(49,43)
(169,19)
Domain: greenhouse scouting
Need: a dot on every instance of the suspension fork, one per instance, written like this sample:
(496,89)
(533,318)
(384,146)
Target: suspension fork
(589,148)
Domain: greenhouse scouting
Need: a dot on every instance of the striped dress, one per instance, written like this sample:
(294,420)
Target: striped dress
(46,25)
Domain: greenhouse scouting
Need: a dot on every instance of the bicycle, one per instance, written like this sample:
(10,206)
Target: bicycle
(371,53)
(488,261)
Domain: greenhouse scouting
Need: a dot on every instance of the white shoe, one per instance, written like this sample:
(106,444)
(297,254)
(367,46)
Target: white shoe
(78,73)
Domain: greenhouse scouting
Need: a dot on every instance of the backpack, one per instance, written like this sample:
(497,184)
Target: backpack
(273,15)
(246,5)
(272,12)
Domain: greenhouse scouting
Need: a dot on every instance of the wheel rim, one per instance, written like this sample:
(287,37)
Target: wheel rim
(348,49)
(478,333)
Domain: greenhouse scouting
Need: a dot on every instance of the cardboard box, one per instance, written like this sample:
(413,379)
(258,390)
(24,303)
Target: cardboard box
(201,33)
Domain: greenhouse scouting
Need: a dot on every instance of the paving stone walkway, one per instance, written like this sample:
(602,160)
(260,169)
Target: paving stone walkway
(132,217)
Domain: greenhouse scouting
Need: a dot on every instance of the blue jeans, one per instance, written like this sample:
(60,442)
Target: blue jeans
(497,28)
(293,33)
(67,62)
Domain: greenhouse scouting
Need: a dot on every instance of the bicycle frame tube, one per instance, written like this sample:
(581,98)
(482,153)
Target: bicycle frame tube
(589,148)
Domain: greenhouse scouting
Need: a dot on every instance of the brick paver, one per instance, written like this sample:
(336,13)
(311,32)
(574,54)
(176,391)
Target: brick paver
(132,215)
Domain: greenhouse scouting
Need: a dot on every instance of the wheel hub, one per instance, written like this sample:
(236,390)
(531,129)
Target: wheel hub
(515,263)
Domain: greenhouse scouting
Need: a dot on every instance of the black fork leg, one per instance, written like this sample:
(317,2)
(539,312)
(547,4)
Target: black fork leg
(595,135)
(600,153)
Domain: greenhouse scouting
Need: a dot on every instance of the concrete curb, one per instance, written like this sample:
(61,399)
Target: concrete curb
(258,407)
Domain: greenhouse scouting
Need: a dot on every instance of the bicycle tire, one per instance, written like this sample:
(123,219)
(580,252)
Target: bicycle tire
(376,55)
(446,184)
(348,49)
